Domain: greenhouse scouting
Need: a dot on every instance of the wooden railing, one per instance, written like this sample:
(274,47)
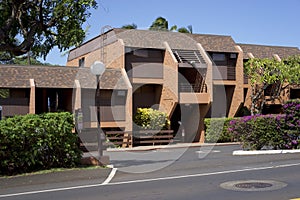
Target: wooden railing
(89,141)
(154,137)
(190,88)
(119,138)
(224,73)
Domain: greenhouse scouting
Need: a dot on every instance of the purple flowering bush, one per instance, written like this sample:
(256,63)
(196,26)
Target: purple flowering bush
(269,131)
(291,123)
(257,132)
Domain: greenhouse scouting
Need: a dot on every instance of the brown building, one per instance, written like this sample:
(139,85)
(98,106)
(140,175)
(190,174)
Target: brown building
(188,76)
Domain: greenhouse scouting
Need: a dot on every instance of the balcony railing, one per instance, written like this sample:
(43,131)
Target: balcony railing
(146,70)
(191,88)
(224,73)
(246,79)
(14,106)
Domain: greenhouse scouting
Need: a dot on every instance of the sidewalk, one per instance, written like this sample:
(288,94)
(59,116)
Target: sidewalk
(171,146)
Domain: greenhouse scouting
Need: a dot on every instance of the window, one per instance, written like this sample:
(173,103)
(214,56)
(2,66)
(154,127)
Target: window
(81,62)
(233,56)
(218,57)
(141,53)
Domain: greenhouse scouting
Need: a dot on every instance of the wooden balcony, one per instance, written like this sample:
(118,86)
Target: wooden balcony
(146,72)
(194,98)
(224,73)
(14,106)
(192,93)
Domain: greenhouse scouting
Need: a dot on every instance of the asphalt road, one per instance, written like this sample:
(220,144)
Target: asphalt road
(196,174)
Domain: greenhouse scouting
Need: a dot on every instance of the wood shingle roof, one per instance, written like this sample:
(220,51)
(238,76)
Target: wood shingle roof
(14,76)
(263,51)
(155,39)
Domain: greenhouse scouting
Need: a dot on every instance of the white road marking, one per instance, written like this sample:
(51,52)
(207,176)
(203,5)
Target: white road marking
(149,180)
(213,151)
(111,176)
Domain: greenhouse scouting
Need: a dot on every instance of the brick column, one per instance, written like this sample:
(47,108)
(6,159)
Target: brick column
(238,95)
(209,74)
(77,99)
(32,97)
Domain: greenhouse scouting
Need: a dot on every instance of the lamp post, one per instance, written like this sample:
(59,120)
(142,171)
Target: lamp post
(98,69)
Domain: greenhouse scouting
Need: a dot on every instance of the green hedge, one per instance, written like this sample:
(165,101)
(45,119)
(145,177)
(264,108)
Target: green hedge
(34,142)
(216,130)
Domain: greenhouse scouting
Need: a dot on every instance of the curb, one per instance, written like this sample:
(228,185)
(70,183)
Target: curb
(263,152)
(171,146)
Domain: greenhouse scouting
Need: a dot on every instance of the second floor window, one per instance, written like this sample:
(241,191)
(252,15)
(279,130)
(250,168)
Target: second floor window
(218,57)
(81,62)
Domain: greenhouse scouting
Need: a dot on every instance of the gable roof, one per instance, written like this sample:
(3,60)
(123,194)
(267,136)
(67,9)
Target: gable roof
(156,39)
(216,43)
(184,41)
(15,76)
(264,51)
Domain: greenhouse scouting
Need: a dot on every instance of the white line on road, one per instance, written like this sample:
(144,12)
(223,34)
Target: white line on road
(204,174)
(111,176)
(149,180)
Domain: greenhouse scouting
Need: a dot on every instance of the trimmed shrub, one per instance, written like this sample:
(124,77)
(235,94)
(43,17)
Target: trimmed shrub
(150,119)
(216,130)
(34,142)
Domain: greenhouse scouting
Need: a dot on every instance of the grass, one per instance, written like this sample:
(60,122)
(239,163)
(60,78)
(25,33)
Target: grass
(48,171)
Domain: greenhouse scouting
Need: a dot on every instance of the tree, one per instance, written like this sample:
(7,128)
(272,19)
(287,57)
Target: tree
(273,76)
(38,25)
(160,24)
(189,29)
(130,26)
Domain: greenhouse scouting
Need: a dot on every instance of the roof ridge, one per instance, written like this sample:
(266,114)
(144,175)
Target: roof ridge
(262,45)
(173,32)
(38,66)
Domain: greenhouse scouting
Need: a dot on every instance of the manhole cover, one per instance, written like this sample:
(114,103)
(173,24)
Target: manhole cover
(253,185)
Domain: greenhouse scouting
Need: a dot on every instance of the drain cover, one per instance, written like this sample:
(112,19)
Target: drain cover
(253,185)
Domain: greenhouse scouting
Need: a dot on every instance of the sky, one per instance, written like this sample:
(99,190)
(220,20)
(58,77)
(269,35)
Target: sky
(266,22)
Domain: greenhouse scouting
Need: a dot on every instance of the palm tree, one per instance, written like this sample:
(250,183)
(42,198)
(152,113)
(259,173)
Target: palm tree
(160,24)
(189,29)
(130,26)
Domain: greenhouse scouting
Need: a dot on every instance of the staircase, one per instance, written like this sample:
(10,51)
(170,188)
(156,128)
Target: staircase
(196,60)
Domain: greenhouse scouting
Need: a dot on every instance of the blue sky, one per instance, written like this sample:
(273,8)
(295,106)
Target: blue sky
(269,22)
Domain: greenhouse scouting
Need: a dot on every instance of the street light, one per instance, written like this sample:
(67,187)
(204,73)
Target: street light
(98,69)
